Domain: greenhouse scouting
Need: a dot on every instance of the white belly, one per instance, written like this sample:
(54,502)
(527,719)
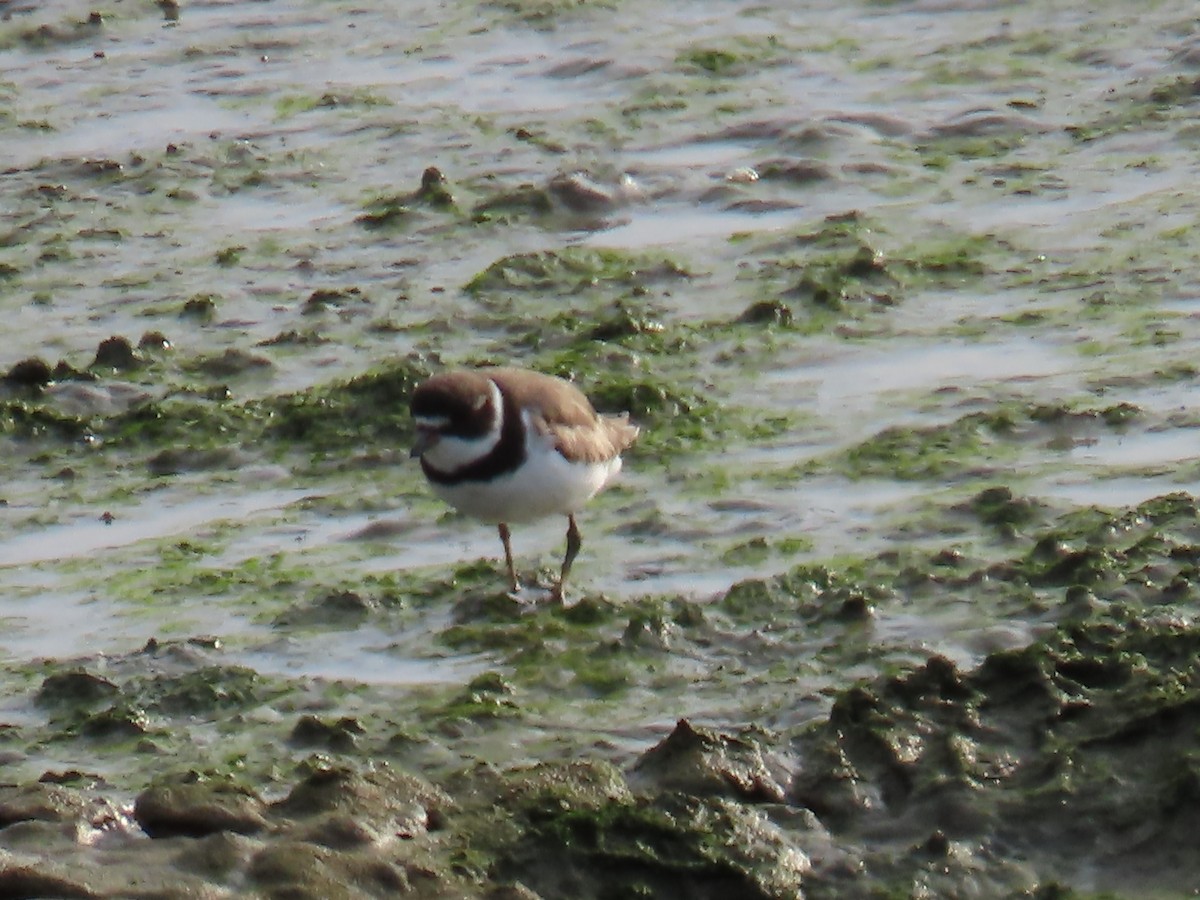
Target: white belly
(546,485)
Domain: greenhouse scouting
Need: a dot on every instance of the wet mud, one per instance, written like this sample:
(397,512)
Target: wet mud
(896,596)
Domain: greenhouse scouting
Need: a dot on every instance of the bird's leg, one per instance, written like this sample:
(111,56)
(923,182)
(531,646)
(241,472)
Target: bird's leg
(505,539)
(574,542)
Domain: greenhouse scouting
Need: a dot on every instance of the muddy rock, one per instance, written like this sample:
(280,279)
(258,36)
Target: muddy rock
(582,192)
(29,373)
(20,878)
(767,312)
(344,609)
(75,688)
(154,341)
(706,763)
(115,353)
(673,846)
(340,735)
(335,299)
(43,803)
(83,399)
(218,855)
(304,870)
(174,460)
(195,807)
(795,171)
(201,308)
(232,362)
(434,190)
(385,801)
(1043,747)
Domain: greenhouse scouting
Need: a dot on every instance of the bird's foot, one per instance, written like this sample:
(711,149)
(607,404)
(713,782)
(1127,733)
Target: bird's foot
(524,601)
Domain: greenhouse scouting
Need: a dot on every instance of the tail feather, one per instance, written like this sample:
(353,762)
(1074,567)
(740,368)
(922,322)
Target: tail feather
(621,431)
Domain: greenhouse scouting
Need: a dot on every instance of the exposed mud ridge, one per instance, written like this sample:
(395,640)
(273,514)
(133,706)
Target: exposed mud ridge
(1052,769)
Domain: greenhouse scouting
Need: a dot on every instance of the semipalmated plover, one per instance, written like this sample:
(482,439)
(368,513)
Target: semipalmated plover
(509,445)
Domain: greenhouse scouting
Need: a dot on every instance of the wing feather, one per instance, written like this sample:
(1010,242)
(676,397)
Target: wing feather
(559,410)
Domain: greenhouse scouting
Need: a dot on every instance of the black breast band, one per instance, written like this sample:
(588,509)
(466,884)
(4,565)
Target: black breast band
(505,457)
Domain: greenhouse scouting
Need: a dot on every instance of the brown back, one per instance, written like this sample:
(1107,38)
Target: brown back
(562,410)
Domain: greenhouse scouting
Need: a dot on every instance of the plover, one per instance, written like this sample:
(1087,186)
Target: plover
(506,445)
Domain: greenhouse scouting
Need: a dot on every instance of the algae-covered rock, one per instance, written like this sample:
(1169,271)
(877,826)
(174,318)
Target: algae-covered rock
(205,690)
(370,407)
(116,353)
(706,763)
(75,688)
(572,270)
(389,802)
(33,372)
(20,878)
(1076,752)
(43,803)
(675,846)
(340,735)
(195,807)
(121,721)
(230,363)
(576,830)
(302,870)
(333,609)
(218,855)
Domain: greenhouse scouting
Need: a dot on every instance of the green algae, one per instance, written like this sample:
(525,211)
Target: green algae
(585,815)
(650,401)
(368,408)
(394,210)
(931,452)
(590,649)
(544,13)
(571,271)
(977,441)
(841,270)
(486,697)
(31,421)
(713,61)
(506,205)
(770,650)
(832,281)
(260,586)
(928,741)
(295,104)
(1093,695)
(1000,508)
